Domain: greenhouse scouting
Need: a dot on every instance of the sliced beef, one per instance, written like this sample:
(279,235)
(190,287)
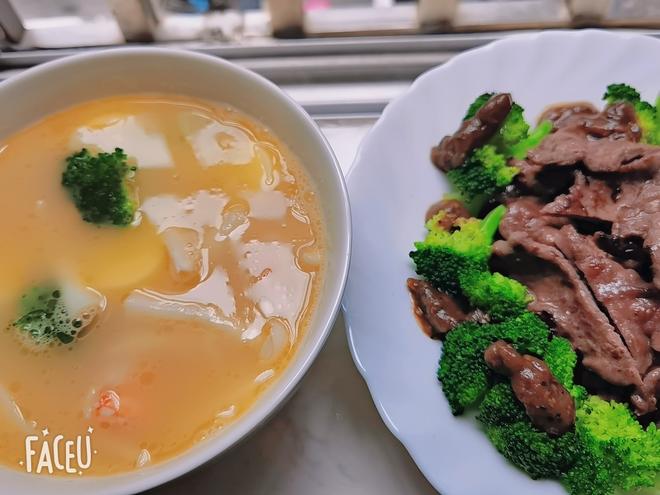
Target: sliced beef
(567,114)
(652,242)
(597,386)
(604,141)
(439,312)
(544,181)
(474,132)
(453,208)
(572,145)
(560,293)
(639,216)
(645,399)
(588,198)
(548,404)
(627,298)
(629,251)
(616,122)
(524,218)
(655,340)
(632,207)
(638,202)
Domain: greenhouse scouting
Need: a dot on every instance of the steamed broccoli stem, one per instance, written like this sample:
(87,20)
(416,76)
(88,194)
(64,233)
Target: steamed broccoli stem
(647,114)
(98,186)
(463,372)
(521,148)
(501,297)
(44,318)
(479,102)
(443,256)
(483,173)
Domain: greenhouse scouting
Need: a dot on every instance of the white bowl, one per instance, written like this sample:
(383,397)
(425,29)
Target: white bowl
(60,84)
(396,359)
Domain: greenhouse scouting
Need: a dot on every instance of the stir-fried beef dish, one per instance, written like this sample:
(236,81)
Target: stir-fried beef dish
(540,273)
(581,232)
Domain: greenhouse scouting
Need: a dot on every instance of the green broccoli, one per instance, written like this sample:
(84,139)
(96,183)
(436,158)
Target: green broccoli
(486,169)
(519,150)
(463,372)
(589,475)
(443,256)
(534,451)
(511,432)
(647,115)
(615,452)
(608,451)
(44,318)
(625,453)
(99,188)
(621,92)
(501,297)
(513,130)
(501,407)
(477,104)
(483,174)
(561,359)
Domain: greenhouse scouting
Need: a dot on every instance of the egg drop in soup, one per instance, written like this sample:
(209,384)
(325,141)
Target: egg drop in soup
(161,258)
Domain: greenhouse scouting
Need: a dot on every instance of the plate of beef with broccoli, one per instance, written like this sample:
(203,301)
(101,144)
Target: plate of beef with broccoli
(504,298)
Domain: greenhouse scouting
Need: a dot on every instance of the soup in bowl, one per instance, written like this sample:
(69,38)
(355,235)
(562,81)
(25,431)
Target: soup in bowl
(175,244)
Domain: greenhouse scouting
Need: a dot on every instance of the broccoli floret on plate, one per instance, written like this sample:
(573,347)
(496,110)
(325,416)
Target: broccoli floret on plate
(514,436)
(619,92)
(98,185)
(464,375)
(486,169)
(483,174)
(513,130)
(501,407)
(444,256)
(479,102)
(621,453)
(534,451)
(647,114)
(561,359)
(501,297)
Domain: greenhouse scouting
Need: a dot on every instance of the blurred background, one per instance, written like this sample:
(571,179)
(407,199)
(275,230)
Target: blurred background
(343,60)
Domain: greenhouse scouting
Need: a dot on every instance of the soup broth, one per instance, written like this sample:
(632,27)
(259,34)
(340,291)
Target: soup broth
(201,301)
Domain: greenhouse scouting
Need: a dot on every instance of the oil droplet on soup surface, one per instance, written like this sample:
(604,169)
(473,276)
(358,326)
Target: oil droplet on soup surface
(204,299)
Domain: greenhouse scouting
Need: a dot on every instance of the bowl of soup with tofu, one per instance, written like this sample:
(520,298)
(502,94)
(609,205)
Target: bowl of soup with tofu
(175,242)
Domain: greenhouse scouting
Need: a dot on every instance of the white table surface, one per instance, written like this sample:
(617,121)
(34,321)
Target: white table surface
(328,439)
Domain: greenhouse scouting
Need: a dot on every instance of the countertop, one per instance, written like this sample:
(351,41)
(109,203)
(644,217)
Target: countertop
(328,438)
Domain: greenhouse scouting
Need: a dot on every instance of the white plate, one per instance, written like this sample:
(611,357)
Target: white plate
(391,186)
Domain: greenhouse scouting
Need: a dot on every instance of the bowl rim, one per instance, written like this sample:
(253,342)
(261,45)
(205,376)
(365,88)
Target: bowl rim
(281,390)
